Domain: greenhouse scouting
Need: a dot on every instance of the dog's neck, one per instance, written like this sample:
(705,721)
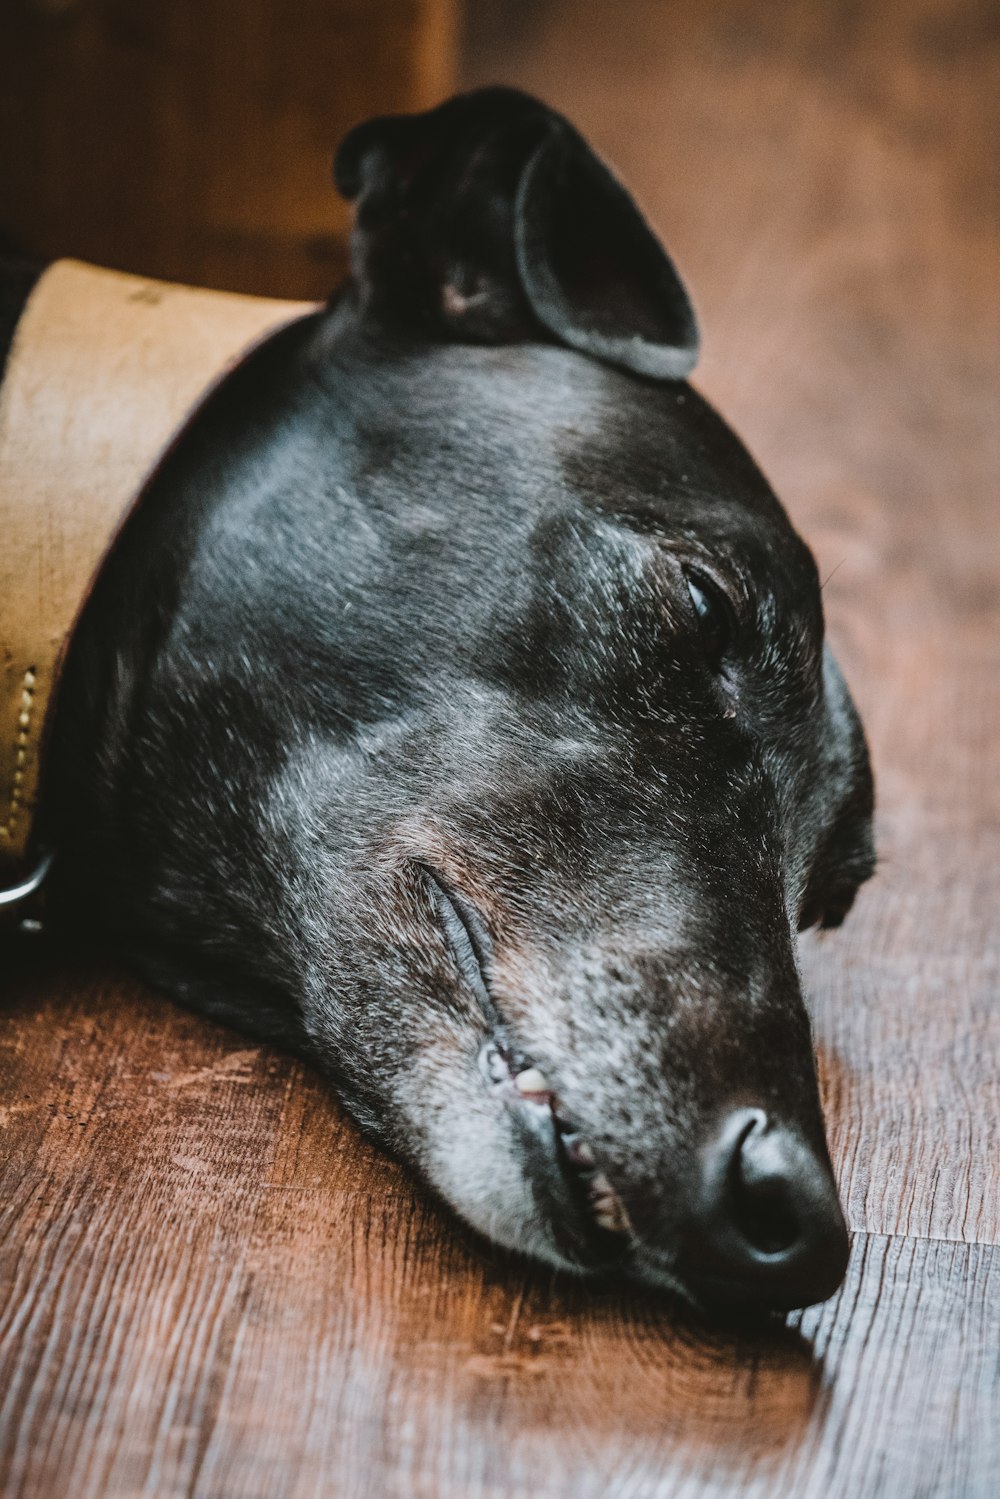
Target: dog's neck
(103,371)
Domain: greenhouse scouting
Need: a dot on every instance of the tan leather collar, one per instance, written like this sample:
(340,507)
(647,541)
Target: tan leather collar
(104,370)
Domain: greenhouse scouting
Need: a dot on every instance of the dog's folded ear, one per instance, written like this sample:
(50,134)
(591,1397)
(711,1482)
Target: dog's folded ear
(489,219)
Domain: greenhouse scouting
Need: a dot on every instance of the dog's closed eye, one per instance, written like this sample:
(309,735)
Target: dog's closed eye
(465,934)
(712,615)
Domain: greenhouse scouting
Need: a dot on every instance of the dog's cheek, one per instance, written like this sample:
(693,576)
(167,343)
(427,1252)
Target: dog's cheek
(460,1142)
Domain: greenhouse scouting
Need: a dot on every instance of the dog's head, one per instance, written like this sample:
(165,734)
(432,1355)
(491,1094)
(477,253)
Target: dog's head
(543,757)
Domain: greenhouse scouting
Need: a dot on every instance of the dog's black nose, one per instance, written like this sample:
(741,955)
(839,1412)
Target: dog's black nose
(768,1232)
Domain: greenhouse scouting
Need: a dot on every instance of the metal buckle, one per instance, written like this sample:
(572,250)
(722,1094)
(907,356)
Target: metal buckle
(13,895)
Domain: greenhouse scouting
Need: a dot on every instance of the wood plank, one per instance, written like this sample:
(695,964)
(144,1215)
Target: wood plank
(217,1289)
(134,1138)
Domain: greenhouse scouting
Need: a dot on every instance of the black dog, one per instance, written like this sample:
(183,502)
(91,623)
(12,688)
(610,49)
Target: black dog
(456,709)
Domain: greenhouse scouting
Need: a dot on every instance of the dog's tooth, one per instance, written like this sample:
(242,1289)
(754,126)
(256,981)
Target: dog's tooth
(531,1080)
(600,1186)
(581,1153)
(613,1217)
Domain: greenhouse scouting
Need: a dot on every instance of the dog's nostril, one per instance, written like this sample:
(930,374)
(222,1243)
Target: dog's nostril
(761,1195)
(765,1216)
(767,1229)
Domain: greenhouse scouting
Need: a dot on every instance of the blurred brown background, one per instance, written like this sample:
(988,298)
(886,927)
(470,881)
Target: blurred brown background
(192,139)
(210,1286)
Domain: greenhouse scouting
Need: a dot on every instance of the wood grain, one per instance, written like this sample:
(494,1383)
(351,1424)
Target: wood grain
(193,141)
(210,1287)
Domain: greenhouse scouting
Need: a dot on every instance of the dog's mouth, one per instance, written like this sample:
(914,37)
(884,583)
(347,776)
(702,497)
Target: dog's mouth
(585,1214)
(582,1209)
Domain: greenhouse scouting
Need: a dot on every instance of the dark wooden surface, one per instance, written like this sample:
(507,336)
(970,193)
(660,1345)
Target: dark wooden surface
(210,1287)
(192,140)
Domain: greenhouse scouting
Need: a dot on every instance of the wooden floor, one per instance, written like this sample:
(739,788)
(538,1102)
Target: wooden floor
(211,1287)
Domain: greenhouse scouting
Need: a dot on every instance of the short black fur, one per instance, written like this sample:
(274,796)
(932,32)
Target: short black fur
(412,593)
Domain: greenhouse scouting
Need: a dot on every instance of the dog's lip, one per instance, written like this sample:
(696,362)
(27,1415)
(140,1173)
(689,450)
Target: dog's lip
(586,1216)
(580,1206)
